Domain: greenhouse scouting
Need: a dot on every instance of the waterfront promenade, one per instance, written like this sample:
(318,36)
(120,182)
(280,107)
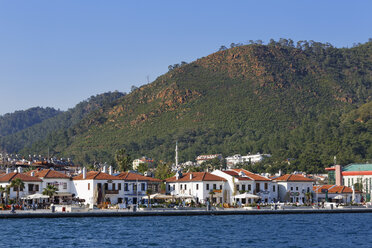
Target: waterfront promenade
(174,212)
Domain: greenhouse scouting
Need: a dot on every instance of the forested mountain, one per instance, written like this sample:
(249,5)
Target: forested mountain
(19,120)
(308,103)
(15,141)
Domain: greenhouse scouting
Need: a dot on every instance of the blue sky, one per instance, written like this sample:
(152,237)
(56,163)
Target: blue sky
(58,53)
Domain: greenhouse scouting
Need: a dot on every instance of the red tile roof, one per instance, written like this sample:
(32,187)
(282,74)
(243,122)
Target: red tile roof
(251,175)
(129,176)
(196,177)
(24,177)
(96,175)
(237,176)
(333,189)
(48,173)
(293,178)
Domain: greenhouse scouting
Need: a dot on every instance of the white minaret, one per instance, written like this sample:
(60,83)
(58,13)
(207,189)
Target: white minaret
(176,154)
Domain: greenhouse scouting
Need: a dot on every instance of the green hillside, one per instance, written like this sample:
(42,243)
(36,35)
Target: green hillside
(36,131)
(19,120)
(292,102)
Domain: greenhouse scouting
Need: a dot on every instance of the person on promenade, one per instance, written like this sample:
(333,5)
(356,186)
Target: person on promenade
(12,209)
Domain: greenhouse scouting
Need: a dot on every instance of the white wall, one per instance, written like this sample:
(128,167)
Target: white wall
(197,189)
(24,192)
(298,187)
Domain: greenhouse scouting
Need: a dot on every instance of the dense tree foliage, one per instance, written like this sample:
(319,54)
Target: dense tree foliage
(303,103)
(19,120)
(38,124)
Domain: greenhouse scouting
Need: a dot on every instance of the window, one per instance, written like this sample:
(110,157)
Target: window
(180,186)
(125,186)
(143,186)
(64,185)
(207,186)
(291,188)
(273,188)
(174,186)
(237,187)
(119,186)
(308,189)
(243,187)
(113,186)
(249,187)
(169,187)
(221,186)
(258,187)
(185,186)
(106,186)
(88,186)
(296,188)
(266,186)
(348,182)
(197,186)
(37,187)
(214,186)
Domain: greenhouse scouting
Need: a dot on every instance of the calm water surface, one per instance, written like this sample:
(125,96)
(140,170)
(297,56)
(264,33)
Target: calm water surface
(313,230)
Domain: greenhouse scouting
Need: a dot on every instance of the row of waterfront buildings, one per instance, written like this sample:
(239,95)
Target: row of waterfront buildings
(229,186)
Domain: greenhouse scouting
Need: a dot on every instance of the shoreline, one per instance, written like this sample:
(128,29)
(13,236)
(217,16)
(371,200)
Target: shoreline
(148,213)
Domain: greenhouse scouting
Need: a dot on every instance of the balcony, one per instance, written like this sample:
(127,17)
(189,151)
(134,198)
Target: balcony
(111,192)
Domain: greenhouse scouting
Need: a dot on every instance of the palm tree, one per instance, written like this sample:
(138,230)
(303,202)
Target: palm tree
(17,184)
(211,193)
(148,193)
(2,190)
(308,197)
(50,190)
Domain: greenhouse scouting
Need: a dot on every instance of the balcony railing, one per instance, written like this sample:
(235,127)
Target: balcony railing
(112,192)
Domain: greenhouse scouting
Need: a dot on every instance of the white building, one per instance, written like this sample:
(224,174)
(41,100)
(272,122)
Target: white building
(232,161)
(336,193)
(61,181)
(135,186)
(97,187)
(203,158)
(360,174)
(200,186)
(241,181)
(32,185)
(149,162)
(293,187)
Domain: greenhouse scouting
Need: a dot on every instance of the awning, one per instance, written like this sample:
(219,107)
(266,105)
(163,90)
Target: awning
(247,195)
(62,194)
(35,196)
(338,197)
(160,196)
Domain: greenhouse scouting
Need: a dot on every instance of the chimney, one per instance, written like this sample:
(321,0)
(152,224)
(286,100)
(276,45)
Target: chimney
(190,176)
(84,172)
(338,175)
(110,170)
(32,173)
(7,170)
(19,169)
(104,169)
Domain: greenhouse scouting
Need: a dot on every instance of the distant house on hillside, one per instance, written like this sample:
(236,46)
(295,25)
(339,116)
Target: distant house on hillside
(149,162)
(203,158)
(232,161)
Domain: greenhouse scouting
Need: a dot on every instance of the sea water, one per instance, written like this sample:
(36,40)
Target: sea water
(293,230)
